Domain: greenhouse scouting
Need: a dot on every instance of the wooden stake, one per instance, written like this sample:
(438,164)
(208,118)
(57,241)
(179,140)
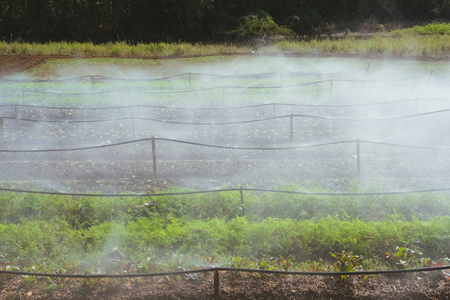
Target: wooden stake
(331,87)
(223,95)
(216,285)
(358,157)
(190,81)
(292,127)
(242,200)
(154,156)
(133,127)
(1,132)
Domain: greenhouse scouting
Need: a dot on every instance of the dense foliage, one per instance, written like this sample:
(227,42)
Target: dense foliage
(42,228)
(194,20)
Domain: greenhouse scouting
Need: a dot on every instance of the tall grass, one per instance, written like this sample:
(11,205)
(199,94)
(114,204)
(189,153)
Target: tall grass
(436,46)
(118,49)
(397,44)
(430,29)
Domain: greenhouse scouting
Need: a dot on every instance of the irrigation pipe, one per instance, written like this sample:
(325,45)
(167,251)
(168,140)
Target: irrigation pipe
(221,87)
(175,141)
(334,194)
(117,195)
(223,107)
(177,75)
(215,146)
(221,269)
(230,123)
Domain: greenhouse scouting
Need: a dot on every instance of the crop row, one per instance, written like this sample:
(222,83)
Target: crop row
(40,228)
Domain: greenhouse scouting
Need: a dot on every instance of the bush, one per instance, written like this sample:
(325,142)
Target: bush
(429,29)
(259,25)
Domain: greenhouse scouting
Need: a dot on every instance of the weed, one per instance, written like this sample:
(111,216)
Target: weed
(404,258)
(346,262)
(285,263)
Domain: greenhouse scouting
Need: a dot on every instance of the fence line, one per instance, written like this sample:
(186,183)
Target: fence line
(154,156)
(66,121)
(226,269)
(241,190)
(217,270)
(251,75)
(283,74)
(218,146)
(190,90)
(215,108)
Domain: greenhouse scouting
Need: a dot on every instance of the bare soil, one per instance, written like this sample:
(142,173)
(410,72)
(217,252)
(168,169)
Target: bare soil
(432,285)
(12,64)
(232,286)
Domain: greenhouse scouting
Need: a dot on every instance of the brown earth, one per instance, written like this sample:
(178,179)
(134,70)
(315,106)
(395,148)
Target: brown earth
(11,64)
(432,285)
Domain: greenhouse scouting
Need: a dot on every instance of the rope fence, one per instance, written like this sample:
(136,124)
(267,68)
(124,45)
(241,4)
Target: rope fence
(95,78)
(273,106)
(217,270)
(240,190)
(213,108)
(133,120)
(228,87)
(154,139)
(227,123)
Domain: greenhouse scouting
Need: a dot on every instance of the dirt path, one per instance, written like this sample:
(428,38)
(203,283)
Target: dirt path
(10,64)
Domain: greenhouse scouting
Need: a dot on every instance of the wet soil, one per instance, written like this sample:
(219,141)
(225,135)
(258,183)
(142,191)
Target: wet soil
(233,286)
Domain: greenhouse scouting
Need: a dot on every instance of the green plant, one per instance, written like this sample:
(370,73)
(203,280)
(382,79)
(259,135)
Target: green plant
(316,266)
(404,258)
(346,262)
(285,263)
(259,25)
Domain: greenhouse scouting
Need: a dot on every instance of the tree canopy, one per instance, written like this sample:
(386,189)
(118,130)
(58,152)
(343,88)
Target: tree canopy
(195,20)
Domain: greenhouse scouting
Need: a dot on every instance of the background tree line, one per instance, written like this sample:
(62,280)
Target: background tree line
(196,20)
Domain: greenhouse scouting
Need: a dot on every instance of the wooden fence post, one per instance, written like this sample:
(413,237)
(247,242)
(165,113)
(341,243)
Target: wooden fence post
(190,81)
(216,285)
(358,157)
(1,132)
(241,191)
(133,127)
(223,95)
(292,127)
(331,87)
(154,156)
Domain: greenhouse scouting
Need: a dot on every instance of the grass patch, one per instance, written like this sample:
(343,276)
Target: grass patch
(429,29)
(118,49)
(432,40)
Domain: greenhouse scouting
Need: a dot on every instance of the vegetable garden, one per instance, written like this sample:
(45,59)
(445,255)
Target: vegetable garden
(290,169)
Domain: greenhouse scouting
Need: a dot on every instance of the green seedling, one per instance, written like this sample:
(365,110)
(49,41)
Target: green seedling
(346,262)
